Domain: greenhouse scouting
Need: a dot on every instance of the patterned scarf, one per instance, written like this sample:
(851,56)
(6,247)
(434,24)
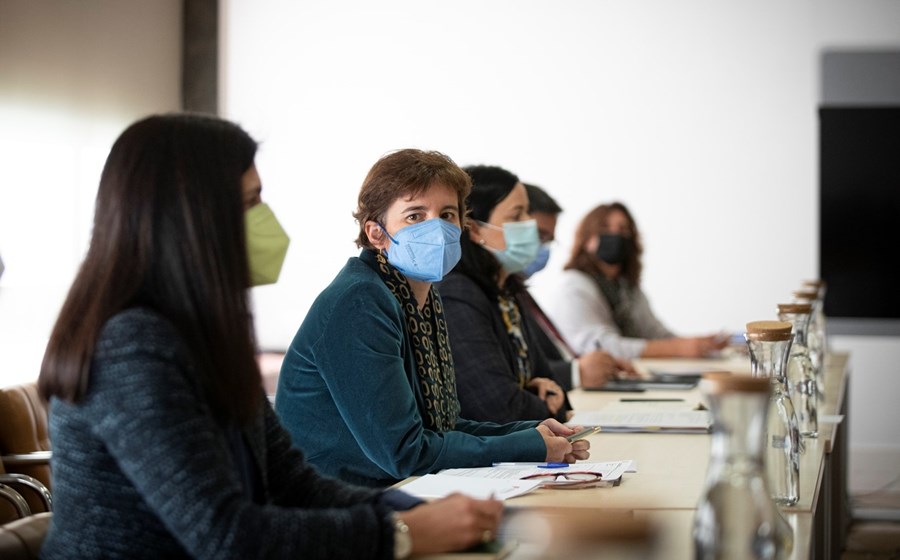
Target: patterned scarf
(618,294)
(512,319)
(426,330)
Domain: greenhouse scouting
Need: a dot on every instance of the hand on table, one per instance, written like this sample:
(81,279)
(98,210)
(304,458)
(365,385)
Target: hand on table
(703,346)
(549,392)
(559,449)
(453,523)
(598,367)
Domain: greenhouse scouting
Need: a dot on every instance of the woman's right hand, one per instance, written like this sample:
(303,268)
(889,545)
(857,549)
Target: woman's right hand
(596,368)
(701,346)
(549,392)
(453,523)
(558,447)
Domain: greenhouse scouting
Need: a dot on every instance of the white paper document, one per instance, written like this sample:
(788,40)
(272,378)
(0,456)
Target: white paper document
(668,421)
(610,470)
(510,480)
(441,485)
(574,475)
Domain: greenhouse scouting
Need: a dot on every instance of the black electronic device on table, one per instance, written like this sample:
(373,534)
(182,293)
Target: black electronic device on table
(678,381)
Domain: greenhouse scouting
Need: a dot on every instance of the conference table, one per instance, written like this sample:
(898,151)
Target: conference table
(663,493)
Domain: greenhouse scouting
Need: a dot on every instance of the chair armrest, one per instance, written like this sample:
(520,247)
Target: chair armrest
(32,458)
(16,479)
(16,499)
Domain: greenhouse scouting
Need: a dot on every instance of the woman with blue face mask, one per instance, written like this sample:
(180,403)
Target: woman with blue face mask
(368,385)
(502,374)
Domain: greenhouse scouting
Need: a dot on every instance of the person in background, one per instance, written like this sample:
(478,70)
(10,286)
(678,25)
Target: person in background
(164,445)
(502,374)
(590,369)
(599,302)
(368,386)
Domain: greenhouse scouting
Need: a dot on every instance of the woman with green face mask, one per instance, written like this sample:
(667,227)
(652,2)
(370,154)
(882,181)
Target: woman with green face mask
(502,373)
(164,444)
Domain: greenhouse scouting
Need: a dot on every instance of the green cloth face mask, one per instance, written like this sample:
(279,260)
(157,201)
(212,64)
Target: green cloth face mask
(267,244)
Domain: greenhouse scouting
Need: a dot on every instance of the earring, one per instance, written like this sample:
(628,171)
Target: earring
(481,242)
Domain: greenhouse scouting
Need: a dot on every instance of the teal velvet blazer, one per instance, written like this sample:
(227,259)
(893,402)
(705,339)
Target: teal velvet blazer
(348,393)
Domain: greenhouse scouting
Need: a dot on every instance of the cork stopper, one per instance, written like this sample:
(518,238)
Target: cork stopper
(797,308)
(769,330)
(817,283)
(808,295)
(718,382)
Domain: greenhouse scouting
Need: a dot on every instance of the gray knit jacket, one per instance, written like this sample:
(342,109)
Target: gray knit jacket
(141,469)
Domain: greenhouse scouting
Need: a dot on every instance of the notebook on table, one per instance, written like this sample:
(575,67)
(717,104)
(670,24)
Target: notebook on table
(646,421)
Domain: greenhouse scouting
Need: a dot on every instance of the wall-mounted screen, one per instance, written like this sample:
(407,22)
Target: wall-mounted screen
(859,228)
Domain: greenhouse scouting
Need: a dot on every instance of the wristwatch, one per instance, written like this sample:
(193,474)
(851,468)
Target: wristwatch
(402,538)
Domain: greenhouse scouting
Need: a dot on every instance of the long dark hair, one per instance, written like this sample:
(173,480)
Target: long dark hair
(490,185)
(592,225)
(168,234)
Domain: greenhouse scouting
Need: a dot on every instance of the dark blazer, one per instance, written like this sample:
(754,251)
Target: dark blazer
(559,365)
(142,469)
(484,357)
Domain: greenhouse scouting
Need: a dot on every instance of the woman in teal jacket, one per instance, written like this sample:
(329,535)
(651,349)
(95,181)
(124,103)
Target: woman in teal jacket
(367,388)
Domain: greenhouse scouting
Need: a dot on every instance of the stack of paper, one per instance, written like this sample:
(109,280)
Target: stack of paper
(611,471)
(667,421)
(442,485)
(511,479)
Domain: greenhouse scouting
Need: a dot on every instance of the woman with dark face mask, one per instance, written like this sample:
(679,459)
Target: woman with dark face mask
(600,303)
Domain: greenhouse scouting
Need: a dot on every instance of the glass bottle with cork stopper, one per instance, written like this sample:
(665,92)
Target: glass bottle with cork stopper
(819,319)
(801,373)
(813,293)
(769,343)
(736,517)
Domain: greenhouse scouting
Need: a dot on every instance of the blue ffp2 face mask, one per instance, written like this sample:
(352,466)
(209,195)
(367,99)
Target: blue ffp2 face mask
(539,262)
(522,245)
(426,251)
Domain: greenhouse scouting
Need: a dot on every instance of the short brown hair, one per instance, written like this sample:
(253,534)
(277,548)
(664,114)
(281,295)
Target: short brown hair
(406,172)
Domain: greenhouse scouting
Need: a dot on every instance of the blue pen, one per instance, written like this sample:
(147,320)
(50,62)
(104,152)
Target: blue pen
(553,465)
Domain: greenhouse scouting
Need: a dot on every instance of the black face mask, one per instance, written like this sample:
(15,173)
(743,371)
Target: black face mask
(614,249)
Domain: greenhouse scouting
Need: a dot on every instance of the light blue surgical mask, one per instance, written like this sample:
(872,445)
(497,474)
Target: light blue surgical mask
(522,245)
(425,251)
(539,262)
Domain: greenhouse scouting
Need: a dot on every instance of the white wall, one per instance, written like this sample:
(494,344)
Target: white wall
(72,76)
(700,115)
